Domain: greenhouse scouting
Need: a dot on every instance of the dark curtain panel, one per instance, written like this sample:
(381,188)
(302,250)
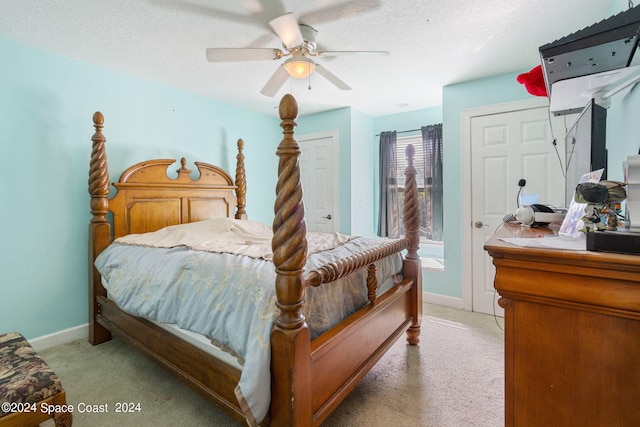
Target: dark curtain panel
(432,146)
(388,212)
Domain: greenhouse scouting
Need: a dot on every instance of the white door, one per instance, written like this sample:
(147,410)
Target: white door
(320,183)
(506,146)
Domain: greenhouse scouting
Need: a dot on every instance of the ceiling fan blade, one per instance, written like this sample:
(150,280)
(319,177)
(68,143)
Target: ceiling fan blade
(331,77)
(287,28)
(215,54)
(275,82)
(340,10)
(353,52)
(270,8)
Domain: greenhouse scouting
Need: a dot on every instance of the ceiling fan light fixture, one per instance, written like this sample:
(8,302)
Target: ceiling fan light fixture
(299,67)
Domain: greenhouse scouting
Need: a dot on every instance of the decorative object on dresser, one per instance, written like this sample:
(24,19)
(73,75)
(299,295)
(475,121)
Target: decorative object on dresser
(30,392)
(309,376)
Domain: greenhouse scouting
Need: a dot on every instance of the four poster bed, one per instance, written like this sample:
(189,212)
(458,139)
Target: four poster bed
(308,370)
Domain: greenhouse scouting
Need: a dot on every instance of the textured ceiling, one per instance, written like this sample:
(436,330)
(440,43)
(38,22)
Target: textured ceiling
(432,43)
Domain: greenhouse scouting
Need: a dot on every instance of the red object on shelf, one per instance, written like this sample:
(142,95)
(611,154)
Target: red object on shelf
(533,81)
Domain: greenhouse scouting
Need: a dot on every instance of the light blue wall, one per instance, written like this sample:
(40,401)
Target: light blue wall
(363,173)
(409,120)
(456,99)
(46,108)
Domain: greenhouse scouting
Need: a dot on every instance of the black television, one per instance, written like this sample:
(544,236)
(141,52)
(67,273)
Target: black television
(585,147)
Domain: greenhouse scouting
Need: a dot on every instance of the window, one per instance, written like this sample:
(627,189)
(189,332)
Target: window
(428,164)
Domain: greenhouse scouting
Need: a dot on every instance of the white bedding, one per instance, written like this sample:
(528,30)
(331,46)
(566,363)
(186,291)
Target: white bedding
(226,235)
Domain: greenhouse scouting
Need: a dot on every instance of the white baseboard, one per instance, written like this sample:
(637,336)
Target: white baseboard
(443,300)
(61,337)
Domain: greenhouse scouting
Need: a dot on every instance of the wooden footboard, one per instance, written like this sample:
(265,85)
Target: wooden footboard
(310,379)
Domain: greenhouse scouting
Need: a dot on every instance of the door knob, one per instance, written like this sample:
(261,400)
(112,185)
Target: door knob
(479,224)
(327,217)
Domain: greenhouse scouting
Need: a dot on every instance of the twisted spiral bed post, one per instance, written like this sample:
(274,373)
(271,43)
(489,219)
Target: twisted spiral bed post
(241,183)
(412,265)
(411,210)
(99,227)
(290,340)
(98,172)
(289,226)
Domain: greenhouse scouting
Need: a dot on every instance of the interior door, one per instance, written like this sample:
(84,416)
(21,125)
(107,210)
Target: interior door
(505,147)
(318,168)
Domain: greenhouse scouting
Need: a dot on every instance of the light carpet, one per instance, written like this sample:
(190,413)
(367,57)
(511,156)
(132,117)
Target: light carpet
(454,378)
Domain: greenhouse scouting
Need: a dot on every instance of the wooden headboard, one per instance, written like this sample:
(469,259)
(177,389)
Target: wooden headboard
(147,199)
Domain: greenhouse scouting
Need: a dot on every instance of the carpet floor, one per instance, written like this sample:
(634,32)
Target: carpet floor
(454,378)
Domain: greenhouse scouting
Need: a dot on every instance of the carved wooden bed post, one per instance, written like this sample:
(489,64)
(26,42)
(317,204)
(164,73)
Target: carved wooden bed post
(99,227)
(412,265)
(241,183)
(290,340)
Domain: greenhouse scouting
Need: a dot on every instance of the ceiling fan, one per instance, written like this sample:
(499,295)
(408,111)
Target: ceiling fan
(299,44)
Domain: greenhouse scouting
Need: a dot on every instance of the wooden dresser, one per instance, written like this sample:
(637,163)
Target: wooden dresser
(572,334)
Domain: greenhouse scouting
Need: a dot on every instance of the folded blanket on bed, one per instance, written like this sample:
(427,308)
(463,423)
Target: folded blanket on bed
(226,235)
